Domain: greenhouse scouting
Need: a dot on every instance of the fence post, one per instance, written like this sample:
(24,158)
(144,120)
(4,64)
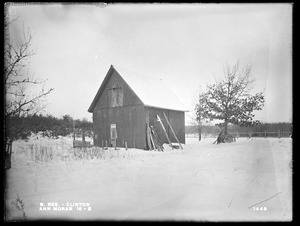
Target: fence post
(125,145)
(279,133)
(265,133)
(102,143)
(106,144)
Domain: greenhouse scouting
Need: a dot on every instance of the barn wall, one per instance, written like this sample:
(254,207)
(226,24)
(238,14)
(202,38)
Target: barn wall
(129,118)
(130,122)
(129,97)
(176,119)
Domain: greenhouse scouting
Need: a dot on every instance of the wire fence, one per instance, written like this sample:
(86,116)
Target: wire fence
(265,134)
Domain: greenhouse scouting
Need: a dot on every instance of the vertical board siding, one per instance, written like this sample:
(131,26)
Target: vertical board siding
(129,97)
(130,122)
(176,119)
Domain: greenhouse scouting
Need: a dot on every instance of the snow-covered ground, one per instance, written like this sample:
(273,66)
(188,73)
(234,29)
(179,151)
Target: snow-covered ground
(250,180)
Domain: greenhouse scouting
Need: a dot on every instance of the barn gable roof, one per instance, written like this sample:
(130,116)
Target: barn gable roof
(153,92)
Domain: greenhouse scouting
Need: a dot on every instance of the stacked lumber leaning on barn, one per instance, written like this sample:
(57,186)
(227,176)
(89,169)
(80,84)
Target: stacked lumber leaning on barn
(173,131)
(165,131)
(156,140)
(152,139)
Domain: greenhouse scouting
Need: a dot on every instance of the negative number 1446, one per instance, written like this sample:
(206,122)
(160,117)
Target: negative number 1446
(260,208)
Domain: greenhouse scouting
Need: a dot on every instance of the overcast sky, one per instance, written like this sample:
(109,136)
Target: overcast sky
(184,44)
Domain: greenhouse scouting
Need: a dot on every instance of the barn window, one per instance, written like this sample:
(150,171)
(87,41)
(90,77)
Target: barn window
(115,96)
(113,132)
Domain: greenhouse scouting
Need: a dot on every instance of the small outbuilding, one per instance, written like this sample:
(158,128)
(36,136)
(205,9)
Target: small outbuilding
(136,109)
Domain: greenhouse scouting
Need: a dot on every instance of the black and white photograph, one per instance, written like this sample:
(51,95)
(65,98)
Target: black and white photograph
(148,112)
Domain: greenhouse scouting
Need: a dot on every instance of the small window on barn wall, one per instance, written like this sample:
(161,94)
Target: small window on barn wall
(113,132)
(115,96)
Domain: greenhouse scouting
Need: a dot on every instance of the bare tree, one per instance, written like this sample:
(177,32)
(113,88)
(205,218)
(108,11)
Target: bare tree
(229,99)
(19,103)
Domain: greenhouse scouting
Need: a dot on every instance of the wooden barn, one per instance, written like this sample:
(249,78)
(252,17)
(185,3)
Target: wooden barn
(136,109)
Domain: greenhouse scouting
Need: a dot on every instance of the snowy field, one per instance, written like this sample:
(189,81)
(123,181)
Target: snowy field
(250,180)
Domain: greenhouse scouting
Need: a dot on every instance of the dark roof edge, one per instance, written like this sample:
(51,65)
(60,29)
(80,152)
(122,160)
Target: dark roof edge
(100,90)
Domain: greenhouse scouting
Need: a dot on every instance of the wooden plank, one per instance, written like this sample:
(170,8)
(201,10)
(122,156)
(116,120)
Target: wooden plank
(148,137)
(151,139)
(165,131)
(172,131)
(156,140)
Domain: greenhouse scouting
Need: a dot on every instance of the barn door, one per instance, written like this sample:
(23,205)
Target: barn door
(113,134)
